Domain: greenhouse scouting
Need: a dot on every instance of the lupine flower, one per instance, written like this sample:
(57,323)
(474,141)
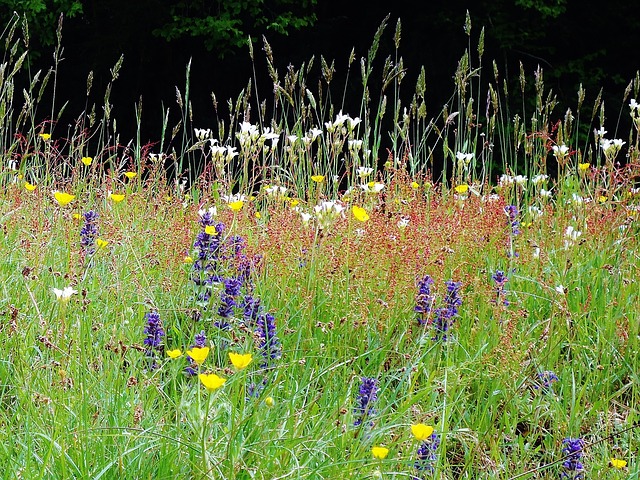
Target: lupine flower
(89,233)
(153,341)
(512,212)
(546,379)
(445,316)
(365,402)
(268,341)
(424,300)
(572,466)
(426,456)
(500,279)
(380,452)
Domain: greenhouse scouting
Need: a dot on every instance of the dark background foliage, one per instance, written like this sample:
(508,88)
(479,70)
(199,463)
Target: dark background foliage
(573,41)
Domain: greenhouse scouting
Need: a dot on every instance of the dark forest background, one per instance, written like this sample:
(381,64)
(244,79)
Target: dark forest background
(571,40)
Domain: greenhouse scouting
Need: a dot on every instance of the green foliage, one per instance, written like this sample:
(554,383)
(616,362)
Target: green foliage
(223,26)
(41,16)
(546,8)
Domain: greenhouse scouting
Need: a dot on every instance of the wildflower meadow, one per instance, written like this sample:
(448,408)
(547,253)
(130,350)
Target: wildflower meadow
(300,291)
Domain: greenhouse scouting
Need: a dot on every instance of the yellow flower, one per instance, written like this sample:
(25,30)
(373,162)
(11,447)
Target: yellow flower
(236,206)
(198,354)
(415,185)
(77,216)
(269,402)
(360,213)
(380,452)
(63,198)
(462,189)
(294,202)
(619,464)
(130,175)
(173,354)
(101,243)
(258,216)
(211,381)
(45,136)
(210,230)
(29,186)
(602,199)
(86,160)
(318,178)
(188,259)
(421,431)
(240,360)
(583,167)
(116,197)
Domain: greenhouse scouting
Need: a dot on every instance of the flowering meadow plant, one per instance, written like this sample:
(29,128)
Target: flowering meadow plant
(298,293)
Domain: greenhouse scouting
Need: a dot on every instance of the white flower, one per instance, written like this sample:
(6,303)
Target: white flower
(372,187)
(536,252)
(538,179)
(353,122)
(269,135)
(354,145)
(535,212)
(545,193)
(464,157)
(314,133)
(506,180)
(403,223)
(213,211)
(570,235)
(65,294)
(202,133)
(305,217)
(276,191)
(611,147)
(363,172)
(328,212)
(292,139)
(633,105)
(234,198)
(231,153)
(561,289)
(601,132)
(560,151)
(520,179)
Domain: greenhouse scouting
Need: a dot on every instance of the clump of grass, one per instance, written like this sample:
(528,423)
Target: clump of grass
(264,319)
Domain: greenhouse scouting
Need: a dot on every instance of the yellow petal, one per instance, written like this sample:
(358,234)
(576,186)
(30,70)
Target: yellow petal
(116,197)
(130,174)
(421,431)
(210,230)
(63,198)
(198,354)
(240,360)
(236,206)
(86,160)
(462,189)
(174,353)
(211,381)
(619,464)
(380,452)
(317,178)
(101,243)
(29,186)
(360,213)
